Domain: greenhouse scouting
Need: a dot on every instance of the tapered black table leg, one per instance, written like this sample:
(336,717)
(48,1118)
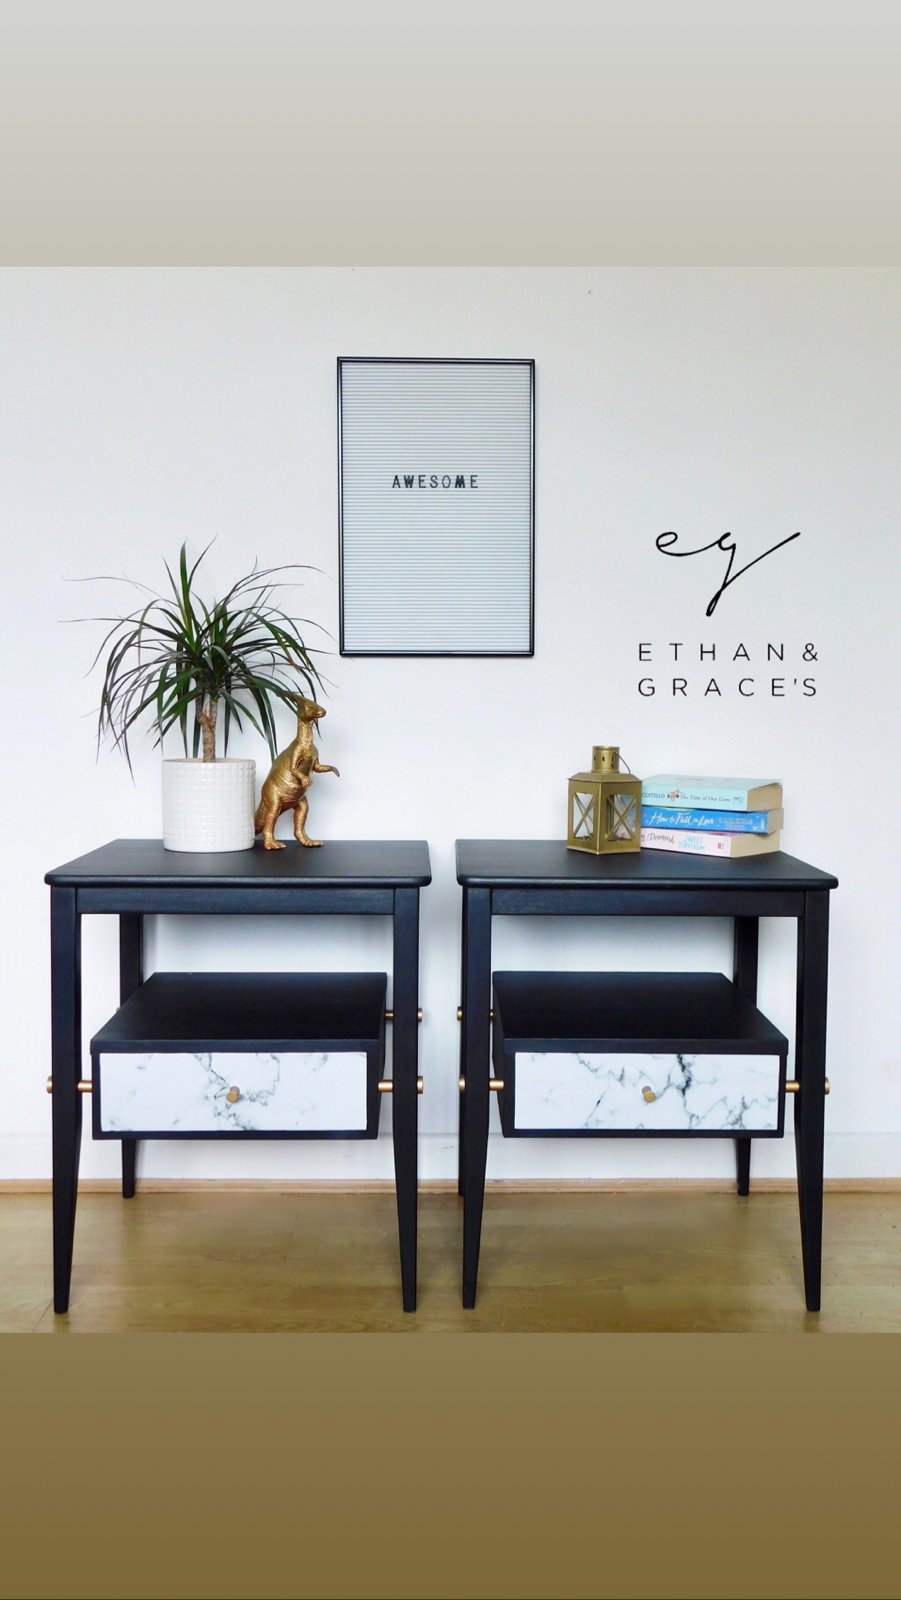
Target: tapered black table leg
(810,1070)
(743,1166)
(745,944)
(65,984)
(131,976)
(129,1167)
(405,1099)
(476,1073)
(461,1116)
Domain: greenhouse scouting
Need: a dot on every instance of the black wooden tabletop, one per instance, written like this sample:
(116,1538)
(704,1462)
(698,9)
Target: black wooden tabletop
(336,864)
(502,863)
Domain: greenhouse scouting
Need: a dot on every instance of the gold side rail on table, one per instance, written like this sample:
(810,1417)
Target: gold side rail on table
(386,1086)
(793,1085)
(85,1086)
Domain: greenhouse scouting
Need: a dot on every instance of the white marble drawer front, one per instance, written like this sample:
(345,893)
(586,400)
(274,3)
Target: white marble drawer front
(635,1053)
(160,1092)
(219,1055)
(655,1093)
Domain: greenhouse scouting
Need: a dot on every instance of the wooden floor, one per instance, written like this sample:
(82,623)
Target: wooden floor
(214,1261)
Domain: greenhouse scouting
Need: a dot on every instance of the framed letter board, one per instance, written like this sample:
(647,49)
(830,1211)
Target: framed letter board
(436,474)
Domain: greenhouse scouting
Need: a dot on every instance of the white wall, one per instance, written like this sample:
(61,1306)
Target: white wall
(139,408)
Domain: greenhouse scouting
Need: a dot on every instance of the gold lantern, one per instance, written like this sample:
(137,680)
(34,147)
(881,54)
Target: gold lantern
(604,806)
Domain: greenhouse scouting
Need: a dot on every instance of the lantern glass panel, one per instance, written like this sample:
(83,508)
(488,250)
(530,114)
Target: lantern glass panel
(621,817)
(583,816)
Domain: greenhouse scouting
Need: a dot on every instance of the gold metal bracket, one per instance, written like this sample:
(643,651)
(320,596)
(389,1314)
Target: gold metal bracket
(496,1084)
(84,1086)
(389,1015)
(386,1086)
(460,1014)
(793,1086)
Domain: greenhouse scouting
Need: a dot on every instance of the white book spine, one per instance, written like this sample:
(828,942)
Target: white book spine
(693,843)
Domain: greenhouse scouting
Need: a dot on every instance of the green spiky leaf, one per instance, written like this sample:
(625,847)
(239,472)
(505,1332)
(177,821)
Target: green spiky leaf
(173,652)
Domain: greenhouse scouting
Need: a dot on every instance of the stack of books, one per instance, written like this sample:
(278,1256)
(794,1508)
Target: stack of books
(711,816)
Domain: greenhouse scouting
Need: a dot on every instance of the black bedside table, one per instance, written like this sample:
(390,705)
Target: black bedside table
(646,1015)
(226,1016)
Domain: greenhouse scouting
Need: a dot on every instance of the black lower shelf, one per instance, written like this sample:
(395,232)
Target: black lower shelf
(243,1055)
(634,1054)
(641,1009)
(242,1010)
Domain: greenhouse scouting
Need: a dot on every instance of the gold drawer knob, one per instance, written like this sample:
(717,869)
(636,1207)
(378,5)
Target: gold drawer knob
(234,1095)
(648,1094)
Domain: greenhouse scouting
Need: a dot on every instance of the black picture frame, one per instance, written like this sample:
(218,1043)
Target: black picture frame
(359,534)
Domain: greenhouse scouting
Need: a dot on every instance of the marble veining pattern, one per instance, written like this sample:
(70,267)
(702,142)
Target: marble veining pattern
(701,1093)
(177,1092)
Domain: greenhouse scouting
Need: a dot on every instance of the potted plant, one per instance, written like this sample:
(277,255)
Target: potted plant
(203,667)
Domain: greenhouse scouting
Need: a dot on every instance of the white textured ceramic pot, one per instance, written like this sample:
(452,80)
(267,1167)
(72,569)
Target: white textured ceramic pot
(208,805)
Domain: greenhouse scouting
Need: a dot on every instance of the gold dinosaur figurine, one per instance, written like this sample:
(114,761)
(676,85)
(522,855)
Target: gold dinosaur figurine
(290,778)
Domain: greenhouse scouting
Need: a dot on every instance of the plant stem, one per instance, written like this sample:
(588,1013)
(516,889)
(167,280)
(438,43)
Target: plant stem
(207,720)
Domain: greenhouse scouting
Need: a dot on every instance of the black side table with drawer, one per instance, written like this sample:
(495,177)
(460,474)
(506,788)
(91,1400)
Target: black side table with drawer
(236,1055)
(640,1054)
(634,1053)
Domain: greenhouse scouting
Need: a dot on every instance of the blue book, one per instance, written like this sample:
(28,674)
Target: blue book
(719,794)
(712,821)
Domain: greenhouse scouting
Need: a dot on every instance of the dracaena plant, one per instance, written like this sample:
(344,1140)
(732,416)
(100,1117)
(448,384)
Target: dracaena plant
(179,660)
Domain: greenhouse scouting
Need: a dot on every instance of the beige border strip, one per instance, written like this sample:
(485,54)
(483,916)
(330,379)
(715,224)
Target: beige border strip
(448,1186)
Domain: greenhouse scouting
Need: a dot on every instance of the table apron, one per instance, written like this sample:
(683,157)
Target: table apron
(273,902)
(664,902)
